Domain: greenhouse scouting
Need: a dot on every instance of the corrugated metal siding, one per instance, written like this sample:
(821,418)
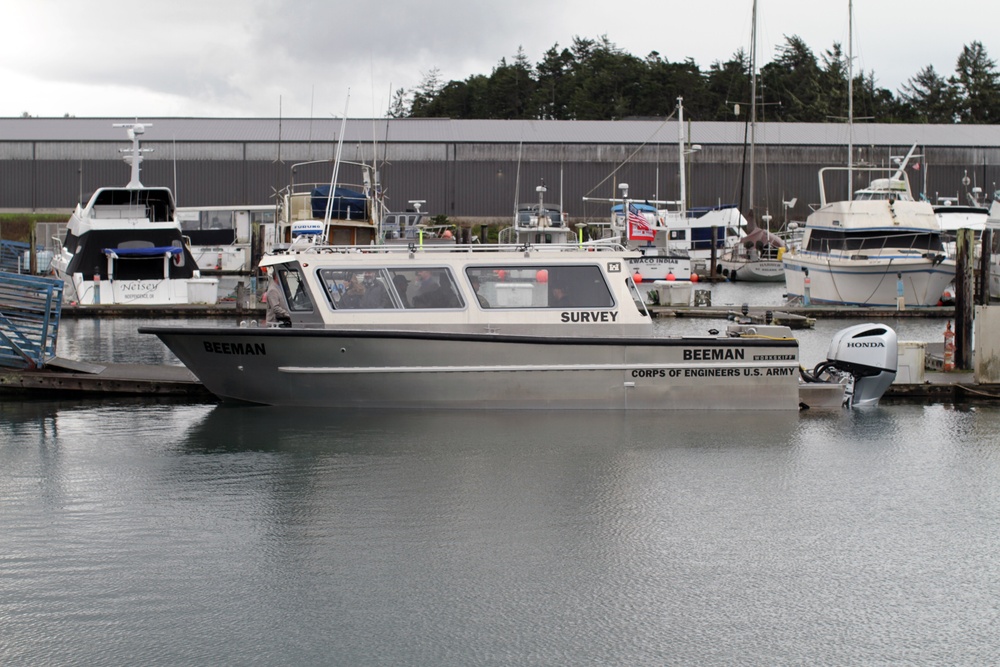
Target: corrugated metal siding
(470,168)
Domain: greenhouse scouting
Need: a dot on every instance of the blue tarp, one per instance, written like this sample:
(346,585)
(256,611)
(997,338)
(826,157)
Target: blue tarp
(144,252)
(347,204)
(643,208)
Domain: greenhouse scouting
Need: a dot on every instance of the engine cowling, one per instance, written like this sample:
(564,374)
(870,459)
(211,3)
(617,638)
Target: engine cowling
(869,353)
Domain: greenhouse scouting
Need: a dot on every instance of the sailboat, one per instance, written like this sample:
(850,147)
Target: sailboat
(880,247)
(756,257)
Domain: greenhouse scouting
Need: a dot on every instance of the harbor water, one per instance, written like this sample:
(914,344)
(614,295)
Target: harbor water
(144,532)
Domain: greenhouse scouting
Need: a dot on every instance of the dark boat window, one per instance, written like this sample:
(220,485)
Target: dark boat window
(359,289)
(825,240)
(426,287)
(296,293)
(555,287)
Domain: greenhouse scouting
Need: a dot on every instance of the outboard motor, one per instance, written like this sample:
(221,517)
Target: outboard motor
(868,353)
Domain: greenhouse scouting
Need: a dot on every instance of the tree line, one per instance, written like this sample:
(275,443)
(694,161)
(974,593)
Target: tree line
(595,80)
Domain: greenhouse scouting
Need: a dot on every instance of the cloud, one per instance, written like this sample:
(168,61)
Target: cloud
(300,57)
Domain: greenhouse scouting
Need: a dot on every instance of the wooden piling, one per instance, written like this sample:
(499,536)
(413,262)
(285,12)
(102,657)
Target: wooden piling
(964,265)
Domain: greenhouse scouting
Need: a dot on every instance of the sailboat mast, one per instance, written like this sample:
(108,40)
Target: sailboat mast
(753,104)
(850,100)
(680,148)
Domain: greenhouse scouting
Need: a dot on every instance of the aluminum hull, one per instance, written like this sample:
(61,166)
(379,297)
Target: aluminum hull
(380,369)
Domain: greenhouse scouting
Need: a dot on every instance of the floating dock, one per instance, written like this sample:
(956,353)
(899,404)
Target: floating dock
(77,378)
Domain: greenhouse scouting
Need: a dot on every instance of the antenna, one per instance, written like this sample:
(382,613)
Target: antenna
(336,168)
(135,130)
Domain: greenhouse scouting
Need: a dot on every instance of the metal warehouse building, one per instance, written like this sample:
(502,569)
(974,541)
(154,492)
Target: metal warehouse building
(477,170)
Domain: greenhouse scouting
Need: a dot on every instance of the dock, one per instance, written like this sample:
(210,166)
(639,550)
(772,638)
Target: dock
(63,377)
(223,309)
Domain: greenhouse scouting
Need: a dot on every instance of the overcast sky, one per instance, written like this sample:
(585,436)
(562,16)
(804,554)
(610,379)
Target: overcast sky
(304,58)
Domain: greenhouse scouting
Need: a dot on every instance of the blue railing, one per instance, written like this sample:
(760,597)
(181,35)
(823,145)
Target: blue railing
(30,307)
(12,256)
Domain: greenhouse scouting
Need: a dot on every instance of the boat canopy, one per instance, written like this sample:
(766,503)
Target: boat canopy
(347,204)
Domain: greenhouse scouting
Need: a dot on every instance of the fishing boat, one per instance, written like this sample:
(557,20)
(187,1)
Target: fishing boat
(538,223)
(125,246)
(335,212)
(496,326)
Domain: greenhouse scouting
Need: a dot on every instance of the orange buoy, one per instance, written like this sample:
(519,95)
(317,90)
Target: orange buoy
(671,276)
(949,349)
(637,278)
(694,277)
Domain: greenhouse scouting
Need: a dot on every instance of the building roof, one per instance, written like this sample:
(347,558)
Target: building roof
(443,130)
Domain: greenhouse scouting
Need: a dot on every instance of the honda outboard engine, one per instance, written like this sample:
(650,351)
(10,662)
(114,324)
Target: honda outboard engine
(868,353)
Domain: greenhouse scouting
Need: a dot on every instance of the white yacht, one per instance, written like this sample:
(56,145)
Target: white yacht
(880,248)
(492,326)
(125,246)
(993,225)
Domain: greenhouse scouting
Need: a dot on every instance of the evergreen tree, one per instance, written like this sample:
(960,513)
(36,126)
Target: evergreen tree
(512,89)
(978,86)
(400,106)
(553,84)
(426,92)
(728,85)
(795,80)
(930,98)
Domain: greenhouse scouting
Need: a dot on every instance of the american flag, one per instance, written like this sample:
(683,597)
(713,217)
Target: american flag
(638,228)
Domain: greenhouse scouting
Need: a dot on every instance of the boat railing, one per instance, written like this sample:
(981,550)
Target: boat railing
(416,247)
(898,185)
(30,308)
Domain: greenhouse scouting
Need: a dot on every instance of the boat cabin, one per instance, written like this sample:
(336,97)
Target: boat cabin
(523,289)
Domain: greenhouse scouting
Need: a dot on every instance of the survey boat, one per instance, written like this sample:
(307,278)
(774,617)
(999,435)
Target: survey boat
(487,327)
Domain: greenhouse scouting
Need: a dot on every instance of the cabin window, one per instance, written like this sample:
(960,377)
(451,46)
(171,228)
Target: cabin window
(823,240)
(359,289)
(426,287)
(556,287)
(296,293)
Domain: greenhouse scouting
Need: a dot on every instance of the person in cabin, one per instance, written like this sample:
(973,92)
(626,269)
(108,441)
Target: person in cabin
(429,293)
(559,297)
(401,284)
(354,293)
(475,288)
(375,295)
(277,312)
